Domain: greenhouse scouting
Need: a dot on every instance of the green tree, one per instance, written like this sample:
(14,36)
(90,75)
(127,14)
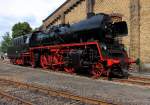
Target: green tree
(20,29)
(6,42)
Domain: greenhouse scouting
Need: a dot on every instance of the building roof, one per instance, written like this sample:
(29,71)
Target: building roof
(56,10)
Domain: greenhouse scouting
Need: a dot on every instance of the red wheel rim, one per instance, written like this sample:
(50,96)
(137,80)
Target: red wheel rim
(44,62)
(97,70)
(69,70)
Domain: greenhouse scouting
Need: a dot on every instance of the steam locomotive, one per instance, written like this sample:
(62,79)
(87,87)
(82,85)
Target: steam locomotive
(88,46)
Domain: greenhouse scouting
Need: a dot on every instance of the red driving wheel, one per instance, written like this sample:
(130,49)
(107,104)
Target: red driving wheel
(69,70)
(97,70)
(43,62)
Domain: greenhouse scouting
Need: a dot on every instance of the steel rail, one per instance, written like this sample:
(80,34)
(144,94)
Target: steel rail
(54,92)
(139,78)
(141,81)
(21,101)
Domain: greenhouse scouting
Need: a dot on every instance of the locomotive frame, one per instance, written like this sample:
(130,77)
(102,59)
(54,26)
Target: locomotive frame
(52,57)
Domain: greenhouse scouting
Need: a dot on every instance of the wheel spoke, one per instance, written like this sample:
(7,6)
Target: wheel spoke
(97,70)
(43,62)
(69,70)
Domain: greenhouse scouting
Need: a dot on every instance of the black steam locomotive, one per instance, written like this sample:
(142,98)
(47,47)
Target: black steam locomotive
(89,45)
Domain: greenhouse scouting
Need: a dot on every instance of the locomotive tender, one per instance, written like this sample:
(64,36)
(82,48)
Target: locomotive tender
(88,46)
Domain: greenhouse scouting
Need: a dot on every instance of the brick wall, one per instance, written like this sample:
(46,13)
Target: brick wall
(57,22)
(76,14)
(134,29)
(145,30)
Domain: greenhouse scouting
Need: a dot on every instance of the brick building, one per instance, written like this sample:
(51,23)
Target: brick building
(135,12)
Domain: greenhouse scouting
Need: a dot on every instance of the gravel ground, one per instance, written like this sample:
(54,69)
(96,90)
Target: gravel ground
(42,99)
(4,101)
(37,98)
(104,90)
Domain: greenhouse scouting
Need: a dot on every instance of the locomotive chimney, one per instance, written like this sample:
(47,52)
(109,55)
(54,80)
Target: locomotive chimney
(89,8)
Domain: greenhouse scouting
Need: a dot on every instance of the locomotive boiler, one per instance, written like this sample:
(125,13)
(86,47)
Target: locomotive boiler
(95,28)
(88,46)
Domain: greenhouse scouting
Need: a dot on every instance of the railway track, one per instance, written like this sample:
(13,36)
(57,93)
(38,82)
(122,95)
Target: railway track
(50,92)
(142,81)
(139,78)
(13,98)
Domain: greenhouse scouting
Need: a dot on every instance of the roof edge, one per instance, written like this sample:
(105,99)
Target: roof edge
(56,10)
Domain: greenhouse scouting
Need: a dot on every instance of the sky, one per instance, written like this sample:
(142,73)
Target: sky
(31,11)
